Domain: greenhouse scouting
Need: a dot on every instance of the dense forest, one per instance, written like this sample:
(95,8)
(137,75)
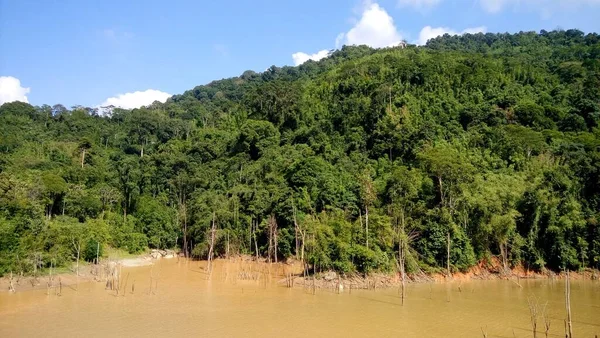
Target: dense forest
(468,148)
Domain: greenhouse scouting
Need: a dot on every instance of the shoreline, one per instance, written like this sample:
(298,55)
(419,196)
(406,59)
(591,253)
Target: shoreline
(322,280)
(88,272)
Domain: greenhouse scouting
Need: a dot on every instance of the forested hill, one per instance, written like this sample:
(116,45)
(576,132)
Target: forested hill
(488,140)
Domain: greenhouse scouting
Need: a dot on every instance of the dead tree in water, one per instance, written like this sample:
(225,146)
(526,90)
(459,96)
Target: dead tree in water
(77,246)
(11,286)
(533,312)
(568,305)
(212,244)
(401,259)
(546,320)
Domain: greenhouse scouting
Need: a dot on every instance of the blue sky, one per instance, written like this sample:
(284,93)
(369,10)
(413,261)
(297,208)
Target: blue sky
(131,52)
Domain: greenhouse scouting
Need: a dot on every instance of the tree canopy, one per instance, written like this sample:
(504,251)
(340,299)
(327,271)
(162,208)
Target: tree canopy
(488,141)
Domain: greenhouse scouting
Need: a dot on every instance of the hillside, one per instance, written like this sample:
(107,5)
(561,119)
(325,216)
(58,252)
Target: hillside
(489,142)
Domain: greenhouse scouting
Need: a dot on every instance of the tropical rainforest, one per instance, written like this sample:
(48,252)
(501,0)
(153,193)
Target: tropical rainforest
(466,149)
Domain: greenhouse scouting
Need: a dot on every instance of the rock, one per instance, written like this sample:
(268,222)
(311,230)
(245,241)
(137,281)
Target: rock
(162,252)
(167,256)
(156,255)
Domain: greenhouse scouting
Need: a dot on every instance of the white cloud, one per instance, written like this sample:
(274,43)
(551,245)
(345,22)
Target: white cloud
(300,58)
(136,99)
(11,90)
(419,4)
(375,28)
(545,7)
(429,32)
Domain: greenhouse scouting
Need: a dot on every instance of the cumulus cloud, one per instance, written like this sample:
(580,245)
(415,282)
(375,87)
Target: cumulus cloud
(375,28)
(11,90)
(136,99)
(300,57)
(543,6)
(419,4)
(429,32)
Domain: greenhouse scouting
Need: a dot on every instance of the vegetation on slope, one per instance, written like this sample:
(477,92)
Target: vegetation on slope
(489,140)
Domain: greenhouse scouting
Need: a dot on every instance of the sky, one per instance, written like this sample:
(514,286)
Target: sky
(129,53)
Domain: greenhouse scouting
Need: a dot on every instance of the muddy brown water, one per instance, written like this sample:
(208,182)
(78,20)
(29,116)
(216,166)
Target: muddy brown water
(184,301)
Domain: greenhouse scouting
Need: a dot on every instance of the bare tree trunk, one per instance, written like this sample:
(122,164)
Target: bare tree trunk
(448,256)
(212,244)
(568,304)
(504,254)
(82,157)
(402,270)
(227,251)
(77,247)
(360,219)
(272,250)
(295,228)
(275,240)
(11,286)
(256,240)
(185,246)
(270,235)
(442,197)
(367,224)
(303,234)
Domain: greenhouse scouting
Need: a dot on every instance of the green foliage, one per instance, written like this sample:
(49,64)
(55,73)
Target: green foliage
(490,139)
(92,248)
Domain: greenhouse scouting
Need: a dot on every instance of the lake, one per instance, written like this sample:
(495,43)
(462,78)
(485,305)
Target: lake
(185,301)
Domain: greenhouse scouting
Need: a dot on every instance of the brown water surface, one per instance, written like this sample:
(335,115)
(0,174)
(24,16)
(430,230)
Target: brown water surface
(184,301)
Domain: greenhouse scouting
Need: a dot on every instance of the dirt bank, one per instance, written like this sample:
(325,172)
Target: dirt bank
(69,278)
(485,270)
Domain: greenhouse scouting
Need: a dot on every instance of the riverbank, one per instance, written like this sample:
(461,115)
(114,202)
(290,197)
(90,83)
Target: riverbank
(483,271)
(289,273)
(330,280)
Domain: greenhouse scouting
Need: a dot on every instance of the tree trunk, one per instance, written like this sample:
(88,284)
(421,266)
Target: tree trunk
(442,197)
(295,228)
(255,240)
(212,244)
(448,256)
(367,224)
(227,253)
(504,254)
(402,270)
(82,157)
(568,304)
(185,246)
